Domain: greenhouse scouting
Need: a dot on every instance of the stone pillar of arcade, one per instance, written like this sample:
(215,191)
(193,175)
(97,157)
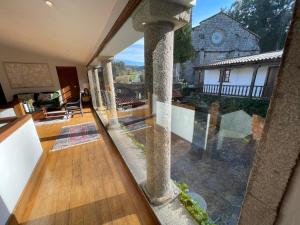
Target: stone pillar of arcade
(158,20)
(98,87)
(110,91)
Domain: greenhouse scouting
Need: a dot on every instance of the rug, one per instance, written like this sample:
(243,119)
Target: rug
(133,123)
(75,135)
(136,127)
(125,120)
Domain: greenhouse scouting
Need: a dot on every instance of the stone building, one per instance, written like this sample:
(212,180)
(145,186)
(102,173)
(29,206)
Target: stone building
(217,38)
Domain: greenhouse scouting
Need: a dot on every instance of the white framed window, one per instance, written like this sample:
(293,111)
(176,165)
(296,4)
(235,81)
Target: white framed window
(224,75)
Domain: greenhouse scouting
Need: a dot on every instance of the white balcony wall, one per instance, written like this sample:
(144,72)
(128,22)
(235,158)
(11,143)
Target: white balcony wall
(9,112)
(238,76)
(19,154)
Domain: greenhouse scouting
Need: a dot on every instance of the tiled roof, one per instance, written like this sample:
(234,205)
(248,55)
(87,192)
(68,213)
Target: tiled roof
(264,57)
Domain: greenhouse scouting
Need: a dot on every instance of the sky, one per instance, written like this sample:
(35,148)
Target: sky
(134,54)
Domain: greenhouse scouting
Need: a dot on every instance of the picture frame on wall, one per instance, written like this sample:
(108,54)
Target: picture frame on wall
(28,75)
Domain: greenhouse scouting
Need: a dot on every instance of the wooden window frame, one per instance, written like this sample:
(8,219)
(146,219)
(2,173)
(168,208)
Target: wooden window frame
(225,77)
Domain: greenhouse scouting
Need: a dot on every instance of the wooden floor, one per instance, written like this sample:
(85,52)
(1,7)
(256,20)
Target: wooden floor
(85,184)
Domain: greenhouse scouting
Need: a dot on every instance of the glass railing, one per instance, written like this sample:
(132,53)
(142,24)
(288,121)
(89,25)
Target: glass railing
(213,139)
(209,121)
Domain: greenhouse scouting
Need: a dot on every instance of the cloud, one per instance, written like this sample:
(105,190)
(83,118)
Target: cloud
(134,52)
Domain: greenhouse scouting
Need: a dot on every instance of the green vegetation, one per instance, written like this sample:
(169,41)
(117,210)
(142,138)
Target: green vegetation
(194,209)
(134,140)
(119,68)
(231,104)
(270,19)
(183,48)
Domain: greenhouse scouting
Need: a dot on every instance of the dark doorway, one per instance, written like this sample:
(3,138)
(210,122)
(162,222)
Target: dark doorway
(270,81)
(2,97)
(68,80)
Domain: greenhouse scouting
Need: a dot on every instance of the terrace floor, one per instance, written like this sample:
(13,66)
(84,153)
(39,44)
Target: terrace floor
(218,174)
(84,184)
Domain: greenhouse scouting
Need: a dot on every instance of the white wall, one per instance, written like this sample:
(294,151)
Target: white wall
(9,112)
(238,76)
(211,76)
(182,122)
(11,54)
(261,75)
(19,153)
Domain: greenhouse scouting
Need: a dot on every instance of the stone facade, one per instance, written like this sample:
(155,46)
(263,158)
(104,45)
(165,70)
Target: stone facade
(217,38)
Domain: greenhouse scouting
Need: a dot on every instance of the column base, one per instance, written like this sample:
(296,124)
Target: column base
(113,123)
(174,192)
(101,108)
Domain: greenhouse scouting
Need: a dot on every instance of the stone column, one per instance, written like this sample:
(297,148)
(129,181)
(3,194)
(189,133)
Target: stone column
(148,74)
(158,20)
(159,38)
(109,82)
(98,89)
(108,77)
(92,87)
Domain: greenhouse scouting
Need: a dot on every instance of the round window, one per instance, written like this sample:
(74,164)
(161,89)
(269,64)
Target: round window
(217,37)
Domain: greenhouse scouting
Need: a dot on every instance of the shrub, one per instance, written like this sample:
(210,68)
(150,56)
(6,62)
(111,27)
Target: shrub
(231,104)
(192,206)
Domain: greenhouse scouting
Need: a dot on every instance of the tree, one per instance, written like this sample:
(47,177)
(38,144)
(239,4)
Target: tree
(118,68)
(183,48)
(270,19)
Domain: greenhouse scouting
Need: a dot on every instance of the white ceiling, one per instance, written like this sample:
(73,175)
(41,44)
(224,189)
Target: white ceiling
(71,29)
(122,39)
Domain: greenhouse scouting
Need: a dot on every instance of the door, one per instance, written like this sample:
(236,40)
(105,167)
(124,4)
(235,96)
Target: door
(270,81)
(69,84)
(199,78)
(2,97)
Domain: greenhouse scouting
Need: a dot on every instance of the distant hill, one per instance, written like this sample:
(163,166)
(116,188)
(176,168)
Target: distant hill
(136,68)
(132,63)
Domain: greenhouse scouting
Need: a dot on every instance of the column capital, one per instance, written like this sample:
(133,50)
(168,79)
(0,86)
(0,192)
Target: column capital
(94,67)
(90,67)
(98,67)
(106,59)
(99,60)
(154,11)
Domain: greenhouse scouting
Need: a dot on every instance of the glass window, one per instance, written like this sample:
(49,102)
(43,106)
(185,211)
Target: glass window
(224,75)
(214,127)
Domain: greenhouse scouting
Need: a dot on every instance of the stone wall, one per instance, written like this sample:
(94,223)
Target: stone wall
(237,41)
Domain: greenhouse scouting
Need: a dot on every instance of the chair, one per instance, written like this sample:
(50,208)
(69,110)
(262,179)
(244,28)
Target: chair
(74,107)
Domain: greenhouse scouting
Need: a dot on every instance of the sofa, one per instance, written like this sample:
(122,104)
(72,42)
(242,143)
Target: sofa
(37,101)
